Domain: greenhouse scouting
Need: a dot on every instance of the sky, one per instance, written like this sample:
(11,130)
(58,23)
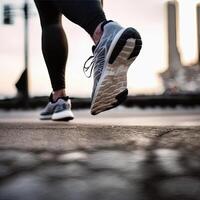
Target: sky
(148,17)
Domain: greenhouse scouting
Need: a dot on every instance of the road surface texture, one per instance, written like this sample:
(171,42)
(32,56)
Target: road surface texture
(86,161)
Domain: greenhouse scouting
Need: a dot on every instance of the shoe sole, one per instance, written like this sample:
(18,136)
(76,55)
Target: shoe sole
(63,116)
(112,90)
(47,117)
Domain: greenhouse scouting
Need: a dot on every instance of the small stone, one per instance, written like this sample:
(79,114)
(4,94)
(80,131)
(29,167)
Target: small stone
(8,156)
(19,159)
(130,163)
(4,171)
(73,157)
(180,188)
(193,162)
(75,171)
(108,186)
(70,189)
(141,141)
(136,158)
(62,171)
(46,156)
(52,172)
(136,167)
(26,160)
(168,161)
(106,159)
(23,187)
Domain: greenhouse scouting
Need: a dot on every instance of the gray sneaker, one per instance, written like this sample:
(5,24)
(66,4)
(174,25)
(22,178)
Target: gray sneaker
(117,49)
(59,110)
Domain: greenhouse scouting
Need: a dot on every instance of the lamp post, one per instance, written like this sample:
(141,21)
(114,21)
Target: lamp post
(22,85)
(26,51)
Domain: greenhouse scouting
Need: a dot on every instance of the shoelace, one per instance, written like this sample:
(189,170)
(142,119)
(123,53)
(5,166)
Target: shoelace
(91,65)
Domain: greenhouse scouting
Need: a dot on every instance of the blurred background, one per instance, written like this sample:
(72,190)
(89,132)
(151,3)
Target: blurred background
(77,161)
(168,63)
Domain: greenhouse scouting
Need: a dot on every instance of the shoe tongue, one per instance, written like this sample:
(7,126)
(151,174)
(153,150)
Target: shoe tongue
(104,23)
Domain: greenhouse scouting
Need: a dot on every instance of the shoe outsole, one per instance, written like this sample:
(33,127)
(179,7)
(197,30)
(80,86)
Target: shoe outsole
(64,119)
(127,34)
(63,116)
(112,90)
(45,117)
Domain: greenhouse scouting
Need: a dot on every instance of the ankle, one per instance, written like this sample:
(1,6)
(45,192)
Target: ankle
(97,33)
(58,93)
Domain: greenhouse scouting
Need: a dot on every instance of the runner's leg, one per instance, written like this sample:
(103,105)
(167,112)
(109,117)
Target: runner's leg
(54,43)
(86,13)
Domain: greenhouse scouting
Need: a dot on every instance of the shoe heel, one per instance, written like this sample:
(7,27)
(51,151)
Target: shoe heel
(136,50)
(121,97)
(127,34)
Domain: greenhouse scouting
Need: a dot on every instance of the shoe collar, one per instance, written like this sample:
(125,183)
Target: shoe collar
(102,29)
(52,101)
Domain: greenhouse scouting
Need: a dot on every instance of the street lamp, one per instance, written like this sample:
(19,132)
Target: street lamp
(8,19)
(7,14)
(26,48)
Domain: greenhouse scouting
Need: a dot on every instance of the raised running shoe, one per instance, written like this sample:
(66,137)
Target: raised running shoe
(115,52)
(58,110)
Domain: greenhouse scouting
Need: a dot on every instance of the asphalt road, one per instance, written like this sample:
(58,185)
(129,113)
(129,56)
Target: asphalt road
(122,154)
(121,116)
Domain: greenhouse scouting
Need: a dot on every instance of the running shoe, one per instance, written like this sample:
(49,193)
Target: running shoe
(113,55)
(58,110)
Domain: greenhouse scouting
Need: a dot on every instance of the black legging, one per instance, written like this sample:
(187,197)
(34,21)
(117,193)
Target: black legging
(86,13)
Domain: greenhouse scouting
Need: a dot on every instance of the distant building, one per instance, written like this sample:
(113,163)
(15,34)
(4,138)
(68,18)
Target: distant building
(179,78)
